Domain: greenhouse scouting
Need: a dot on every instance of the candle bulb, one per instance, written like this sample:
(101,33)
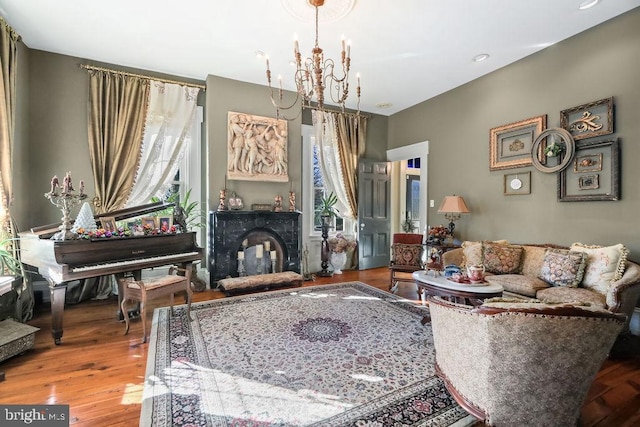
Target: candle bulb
(259,251)
(267,245)
(81,186)
(273,255)
(240,255)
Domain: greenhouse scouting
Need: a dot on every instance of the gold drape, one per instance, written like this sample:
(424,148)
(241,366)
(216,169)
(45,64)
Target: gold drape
(117,113)
(8,64)
(352,135)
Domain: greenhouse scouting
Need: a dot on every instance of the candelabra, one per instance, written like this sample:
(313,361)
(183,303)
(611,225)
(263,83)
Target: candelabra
(65,200)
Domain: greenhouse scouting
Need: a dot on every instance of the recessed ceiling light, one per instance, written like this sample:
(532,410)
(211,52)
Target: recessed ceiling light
(481,57)
(384,105)
(588,4)
(259,54)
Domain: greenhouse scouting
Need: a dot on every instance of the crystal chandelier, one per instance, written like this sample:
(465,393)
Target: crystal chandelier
(315,74)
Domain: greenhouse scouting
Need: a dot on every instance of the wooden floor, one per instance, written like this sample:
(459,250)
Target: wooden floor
(99,372)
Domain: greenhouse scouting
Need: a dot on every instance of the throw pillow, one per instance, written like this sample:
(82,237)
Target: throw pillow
(501,259)
(562,267)
(407,254)
(532,258)
(518,283)
(604,265)
(472,252)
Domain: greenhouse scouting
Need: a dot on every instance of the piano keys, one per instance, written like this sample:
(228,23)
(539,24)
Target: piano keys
(60,262)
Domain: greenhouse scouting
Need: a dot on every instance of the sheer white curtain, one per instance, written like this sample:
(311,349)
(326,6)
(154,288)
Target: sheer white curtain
(170,116)
(326,134)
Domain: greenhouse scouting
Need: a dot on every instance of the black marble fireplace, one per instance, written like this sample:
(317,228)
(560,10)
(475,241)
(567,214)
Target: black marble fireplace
(229,230)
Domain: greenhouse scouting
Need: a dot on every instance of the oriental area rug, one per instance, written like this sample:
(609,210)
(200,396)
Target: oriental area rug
(335,355)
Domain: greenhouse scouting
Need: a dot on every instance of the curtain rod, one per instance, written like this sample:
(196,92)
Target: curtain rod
(329,110)
(125,73)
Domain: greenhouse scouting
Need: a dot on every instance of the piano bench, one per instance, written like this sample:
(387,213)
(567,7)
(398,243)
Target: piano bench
(235,285)
(147,289)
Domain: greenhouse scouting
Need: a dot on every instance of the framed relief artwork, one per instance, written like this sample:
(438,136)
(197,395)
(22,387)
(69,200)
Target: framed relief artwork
(588,120)
(510,145)
(517,183)
(595,174)
(256,148)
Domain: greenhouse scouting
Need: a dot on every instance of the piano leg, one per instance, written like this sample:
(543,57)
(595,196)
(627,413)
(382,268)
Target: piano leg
(58,294)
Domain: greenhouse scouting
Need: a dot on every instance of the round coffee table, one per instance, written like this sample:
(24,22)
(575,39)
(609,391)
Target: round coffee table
(457,292)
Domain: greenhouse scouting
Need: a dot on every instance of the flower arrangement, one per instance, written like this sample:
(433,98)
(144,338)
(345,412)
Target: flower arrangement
(339,243)
(439,232)
(554,149)
(138,230)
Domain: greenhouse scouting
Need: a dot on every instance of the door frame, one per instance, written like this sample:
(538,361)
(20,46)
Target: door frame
(419,149)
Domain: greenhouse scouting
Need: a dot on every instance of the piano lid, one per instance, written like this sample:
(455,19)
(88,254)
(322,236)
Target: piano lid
(43,230)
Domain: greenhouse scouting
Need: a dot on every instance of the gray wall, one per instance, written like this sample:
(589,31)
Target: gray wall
(596,64)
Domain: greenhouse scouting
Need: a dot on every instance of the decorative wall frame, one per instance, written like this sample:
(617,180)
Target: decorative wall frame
(601,185)
(554,137)
(256,148)
(517,183)
(510,145)
(588,120)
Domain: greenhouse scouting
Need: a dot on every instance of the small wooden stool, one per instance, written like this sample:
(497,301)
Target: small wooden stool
(143,290)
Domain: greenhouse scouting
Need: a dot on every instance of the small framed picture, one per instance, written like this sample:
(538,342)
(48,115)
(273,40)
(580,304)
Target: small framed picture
(588,163)
(517,183)
(588,182)
(165,222)
(108,223)
(149,221)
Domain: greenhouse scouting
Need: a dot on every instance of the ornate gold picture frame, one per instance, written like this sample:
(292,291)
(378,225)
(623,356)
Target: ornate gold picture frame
(510,145)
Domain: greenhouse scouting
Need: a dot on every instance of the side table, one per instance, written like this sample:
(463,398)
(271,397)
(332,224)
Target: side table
(437,266)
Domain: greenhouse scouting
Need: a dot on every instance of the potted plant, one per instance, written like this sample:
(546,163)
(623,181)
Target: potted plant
(327,210)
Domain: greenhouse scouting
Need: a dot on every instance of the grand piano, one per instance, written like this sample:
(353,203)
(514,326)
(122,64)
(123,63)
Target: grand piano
(63,261)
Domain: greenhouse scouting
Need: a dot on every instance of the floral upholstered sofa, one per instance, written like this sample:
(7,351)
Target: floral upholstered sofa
(594,275)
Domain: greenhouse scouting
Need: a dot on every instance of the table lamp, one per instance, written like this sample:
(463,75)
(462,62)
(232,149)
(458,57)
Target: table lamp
(453,207)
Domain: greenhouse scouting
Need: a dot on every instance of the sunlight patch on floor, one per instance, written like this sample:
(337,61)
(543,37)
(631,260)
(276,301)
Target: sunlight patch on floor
(132,394)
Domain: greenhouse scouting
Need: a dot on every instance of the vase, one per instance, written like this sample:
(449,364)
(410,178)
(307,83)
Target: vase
(338,260)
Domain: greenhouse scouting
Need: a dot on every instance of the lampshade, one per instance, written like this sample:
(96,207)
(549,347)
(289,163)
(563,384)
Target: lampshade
(453,204)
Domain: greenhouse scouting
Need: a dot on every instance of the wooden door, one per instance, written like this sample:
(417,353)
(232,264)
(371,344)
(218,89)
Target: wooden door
(374,217)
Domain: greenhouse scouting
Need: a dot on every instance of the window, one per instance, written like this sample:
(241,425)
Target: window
(314,189)
(320,191)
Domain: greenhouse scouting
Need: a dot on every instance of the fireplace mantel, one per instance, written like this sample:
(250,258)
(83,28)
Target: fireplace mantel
(227,230)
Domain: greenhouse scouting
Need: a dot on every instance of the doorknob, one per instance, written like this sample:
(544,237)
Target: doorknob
(361,226)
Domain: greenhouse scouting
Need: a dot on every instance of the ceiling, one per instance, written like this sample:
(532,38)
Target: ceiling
(406,51)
